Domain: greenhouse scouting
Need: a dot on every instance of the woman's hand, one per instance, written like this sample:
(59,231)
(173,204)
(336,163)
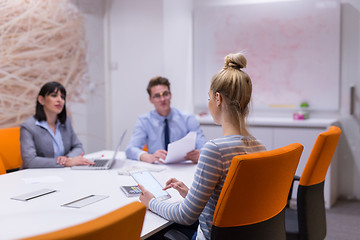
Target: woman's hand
(69,162)
(178,185)
(62,160)
(145,196)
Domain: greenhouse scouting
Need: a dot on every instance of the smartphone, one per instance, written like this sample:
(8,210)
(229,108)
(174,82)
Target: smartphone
(146,179)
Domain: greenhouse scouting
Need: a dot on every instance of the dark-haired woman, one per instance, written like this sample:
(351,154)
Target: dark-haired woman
(47,138)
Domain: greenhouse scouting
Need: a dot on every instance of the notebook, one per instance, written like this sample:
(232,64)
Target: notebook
(102,164)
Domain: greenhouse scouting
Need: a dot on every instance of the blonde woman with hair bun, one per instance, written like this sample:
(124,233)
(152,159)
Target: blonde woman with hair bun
(233,86)
(229,97)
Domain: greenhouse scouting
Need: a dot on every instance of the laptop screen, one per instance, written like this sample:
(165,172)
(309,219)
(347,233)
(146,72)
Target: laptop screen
(119,144)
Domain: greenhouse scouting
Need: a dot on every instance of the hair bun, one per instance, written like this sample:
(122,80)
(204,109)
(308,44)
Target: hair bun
(235,60)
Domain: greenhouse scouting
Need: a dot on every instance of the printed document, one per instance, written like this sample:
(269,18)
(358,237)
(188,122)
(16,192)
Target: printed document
(177,150)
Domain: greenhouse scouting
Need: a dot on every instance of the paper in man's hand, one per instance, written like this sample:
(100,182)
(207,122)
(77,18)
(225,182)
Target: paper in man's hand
(177,150)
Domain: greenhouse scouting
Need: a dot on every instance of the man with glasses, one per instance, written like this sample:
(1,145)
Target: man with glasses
(162,126)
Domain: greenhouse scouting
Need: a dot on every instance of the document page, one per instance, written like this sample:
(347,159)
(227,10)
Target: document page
(177,150)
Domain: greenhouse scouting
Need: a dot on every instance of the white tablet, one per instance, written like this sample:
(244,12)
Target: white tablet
(146,179)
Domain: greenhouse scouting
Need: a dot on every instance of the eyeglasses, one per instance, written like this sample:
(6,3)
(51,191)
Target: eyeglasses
(164,94)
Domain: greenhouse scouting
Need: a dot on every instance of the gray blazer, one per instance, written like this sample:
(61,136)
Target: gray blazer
(37,145)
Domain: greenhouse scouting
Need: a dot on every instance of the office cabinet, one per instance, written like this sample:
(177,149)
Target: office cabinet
(278,132)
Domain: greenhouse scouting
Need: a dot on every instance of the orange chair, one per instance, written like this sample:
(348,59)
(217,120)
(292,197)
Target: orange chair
(123,223)
(252,201)
(309,220)
(10,148)
(2,167)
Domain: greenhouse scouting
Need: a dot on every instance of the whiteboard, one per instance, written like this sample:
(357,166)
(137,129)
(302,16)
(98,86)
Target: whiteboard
(292,50)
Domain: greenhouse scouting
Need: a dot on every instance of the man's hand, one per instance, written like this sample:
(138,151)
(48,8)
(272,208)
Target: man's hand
(193,156)
(158,156)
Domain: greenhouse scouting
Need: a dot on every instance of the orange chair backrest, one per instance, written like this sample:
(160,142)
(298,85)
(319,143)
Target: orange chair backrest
(320,157)
(2,167)
(10,147)
(123,223)
(257,186)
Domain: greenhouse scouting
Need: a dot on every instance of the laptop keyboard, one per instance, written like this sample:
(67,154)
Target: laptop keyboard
(99,163)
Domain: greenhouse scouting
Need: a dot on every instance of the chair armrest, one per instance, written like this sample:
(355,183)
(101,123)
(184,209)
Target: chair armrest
(296,178)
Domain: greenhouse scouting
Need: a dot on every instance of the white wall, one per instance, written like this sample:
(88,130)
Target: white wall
(136,55)
(89,117)
(178,59)
(349,154)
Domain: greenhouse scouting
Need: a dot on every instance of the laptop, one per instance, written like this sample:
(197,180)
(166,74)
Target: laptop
(102,164)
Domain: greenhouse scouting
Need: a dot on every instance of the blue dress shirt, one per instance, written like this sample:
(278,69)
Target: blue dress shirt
(56,138)
(149,130)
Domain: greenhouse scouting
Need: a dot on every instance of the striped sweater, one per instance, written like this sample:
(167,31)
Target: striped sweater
(200,202)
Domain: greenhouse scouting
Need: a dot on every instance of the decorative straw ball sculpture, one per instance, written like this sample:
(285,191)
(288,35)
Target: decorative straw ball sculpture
(40,41)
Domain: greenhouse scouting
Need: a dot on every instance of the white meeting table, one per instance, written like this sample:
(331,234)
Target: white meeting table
(20,219)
